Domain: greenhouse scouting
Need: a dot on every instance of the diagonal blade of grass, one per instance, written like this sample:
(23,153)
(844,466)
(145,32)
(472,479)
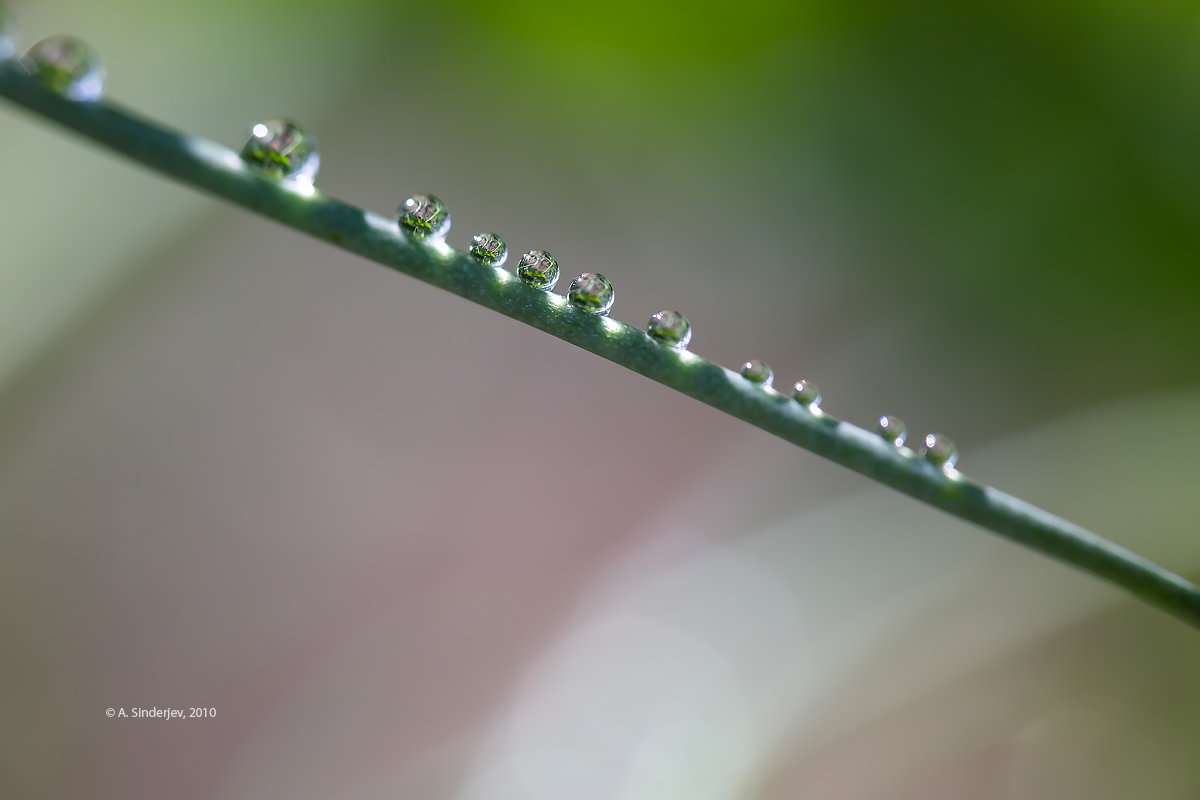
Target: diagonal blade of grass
(219,171)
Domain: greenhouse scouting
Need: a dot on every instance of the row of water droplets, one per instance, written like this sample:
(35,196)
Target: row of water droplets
(283,150)
(936,448)
(425,217)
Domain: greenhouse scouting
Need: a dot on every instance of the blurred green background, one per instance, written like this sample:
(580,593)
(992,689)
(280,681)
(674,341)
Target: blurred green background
(408,548)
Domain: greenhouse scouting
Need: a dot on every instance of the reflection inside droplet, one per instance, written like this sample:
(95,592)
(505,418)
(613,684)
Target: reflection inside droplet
(807,394)
(940,450)
(539,269)
(281,149)
(892,429)
(68,66)
(757,371)
(424,216)
(591,292)
(670,328)
(488,249)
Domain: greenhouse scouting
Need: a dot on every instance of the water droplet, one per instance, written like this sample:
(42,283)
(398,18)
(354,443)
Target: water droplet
(893,429)
(806,393)
(282,149)
(757,371)
(424,216)
(940,450)
(488,249)
(67,66)
(591,292)
(8,36)
(538,269)
(671,328)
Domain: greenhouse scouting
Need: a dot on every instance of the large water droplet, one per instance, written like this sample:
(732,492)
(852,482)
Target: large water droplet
(67,66)
(671,328)
(8,36)
(757,371)
(892,429)
(538,269)
(488,249)
(591,292)
(807,393)
(282,149)
(940,450)
(424,216)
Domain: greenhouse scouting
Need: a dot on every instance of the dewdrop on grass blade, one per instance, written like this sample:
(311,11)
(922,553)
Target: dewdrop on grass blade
(940,450)
(281,149)
(759,372)
(807,394)
(67,66)
(488,249)
(892,429)
(591,292)
(424,216)
(538,269)
(670,328)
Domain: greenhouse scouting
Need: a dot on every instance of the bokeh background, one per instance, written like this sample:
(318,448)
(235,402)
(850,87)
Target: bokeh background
(409,548)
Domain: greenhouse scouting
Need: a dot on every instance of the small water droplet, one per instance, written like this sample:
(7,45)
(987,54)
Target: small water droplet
(591,292)
(538,269)
(670,328)
(68,66)
(892,429)
(488,249)
(282,149)
(8,36)
(424,216)
(940,450)
(806,393)
(757,371)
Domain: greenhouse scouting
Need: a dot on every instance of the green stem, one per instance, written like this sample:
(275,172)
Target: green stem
(219,171)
